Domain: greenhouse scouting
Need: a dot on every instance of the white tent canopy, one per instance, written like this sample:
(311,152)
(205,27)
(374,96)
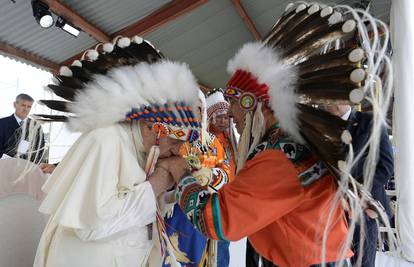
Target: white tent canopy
(402,31)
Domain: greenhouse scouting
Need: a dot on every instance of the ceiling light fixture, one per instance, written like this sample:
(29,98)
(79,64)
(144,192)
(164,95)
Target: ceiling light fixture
(67,27)
(42,14)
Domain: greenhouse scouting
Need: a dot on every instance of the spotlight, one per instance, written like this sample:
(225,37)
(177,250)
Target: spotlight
(67,27)
(42,14)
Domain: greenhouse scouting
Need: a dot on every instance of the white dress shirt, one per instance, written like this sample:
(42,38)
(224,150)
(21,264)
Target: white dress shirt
(19,121)
(346,115)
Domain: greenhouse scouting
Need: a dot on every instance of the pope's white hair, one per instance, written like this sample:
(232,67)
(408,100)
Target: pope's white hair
(110,97)
(266,65)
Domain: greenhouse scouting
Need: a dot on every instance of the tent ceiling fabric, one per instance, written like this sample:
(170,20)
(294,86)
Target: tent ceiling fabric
(205,38)
(18,28)
(112,16)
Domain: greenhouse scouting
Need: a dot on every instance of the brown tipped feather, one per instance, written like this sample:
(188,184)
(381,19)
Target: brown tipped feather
(315,40)
(70,82)
(95,67)
(327,57)
(81,74)
(331,59)
(301,30)
(51,118)
(55,105)
(62,91)
(323,121)
(323,131)
(337,72)
(291,24)
(279,25)
(330,90)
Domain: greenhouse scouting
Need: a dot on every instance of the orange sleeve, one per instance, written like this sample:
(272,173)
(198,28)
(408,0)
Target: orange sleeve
(266,189)
(222,162)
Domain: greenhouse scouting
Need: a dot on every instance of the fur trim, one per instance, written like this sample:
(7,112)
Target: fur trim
(264,63)
(108,47)
(92,55)
(109,98)
(124,42)
(77,63)
(138,39)
(65,71)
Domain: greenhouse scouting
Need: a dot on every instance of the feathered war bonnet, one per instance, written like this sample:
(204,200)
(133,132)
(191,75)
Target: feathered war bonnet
(127,80)
(216,104)
(293,71)
(316,55)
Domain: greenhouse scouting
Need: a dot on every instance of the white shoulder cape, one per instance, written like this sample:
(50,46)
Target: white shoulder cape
(88,186)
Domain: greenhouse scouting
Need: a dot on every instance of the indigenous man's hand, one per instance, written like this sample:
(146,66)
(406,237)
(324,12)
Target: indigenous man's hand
(177,166)
(47,168)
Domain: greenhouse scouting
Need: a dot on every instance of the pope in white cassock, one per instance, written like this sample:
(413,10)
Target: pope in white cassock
(132,107)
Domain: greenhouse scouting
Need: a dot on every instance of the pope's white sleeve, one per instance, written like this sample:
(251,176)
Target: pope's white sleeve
(138,209)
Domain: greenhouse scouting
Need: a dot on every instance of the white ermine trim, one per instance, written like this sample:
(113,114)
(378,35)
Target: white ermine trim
(137,39)
(349,26)
(108,47)
(124,42)
(92,55)
(289,7)
(313,9)
(357,75)
(356,55)
(300,8)
(116,38)
(356,96)
(77,63)
(65,71)
(326,11)
(335,18)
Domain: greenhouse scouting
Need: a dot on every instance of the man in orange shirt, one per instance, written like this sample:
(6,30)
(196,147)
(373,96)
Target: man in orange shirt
(282,194)
(266,202)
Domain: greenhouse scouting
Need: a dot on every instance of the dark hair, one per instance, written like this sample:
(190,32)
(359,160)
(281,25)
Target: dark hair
(24,97)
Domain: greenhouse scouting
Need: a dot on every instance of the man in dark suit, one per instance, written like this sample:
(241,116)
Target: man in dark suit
(11,129)
(360,127)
